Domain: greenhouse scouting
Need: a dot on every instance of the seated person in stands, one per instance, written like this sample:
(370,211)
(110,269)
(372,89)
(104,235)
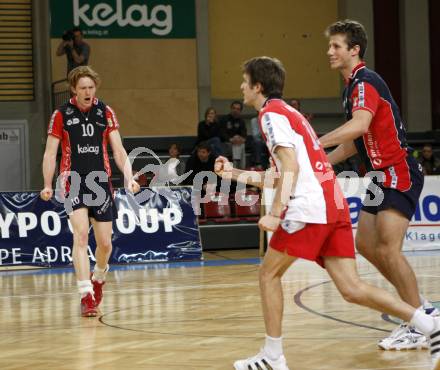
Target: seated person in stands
(165,172)
(210,132)
(429,162)
(201,160)
(171,170)
(295,103)
(234,134)
(260,154)
(174,153)
(353,164)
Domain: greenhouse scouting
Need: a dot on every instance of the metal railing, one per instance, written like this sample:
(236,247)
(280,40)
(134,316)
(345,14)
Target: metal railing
(60,93)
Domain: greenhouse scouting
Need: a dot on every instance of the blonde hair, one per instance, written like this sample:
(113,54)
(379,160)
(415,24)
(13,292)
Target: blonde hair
(82,71)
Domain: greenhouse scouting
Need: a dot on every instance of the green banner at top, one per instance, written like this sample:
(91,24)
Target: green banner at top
(131,19)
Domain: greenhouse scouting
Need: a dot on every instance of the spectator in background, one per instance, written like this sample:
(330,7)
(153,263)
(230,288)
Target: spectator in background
(174,160)
(171,169)
(295,103)
(353,163)
(167,172)
(202,159)
(209,131)
(429,162)
(72,45)
(259,150)
(234,134)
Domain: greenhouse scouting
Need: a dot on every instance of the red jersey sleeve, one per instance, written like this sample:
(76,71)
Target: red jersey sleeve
(112,121)
(56,125)
(366,97)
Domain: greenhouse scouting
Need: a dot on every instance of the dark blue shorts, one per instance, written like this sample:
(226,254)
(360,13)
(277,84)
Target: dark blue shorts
(403,201)
(101,207)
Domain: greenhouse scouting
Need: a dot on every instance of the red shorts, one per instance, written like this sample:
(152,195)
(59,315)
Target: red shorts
(316,241)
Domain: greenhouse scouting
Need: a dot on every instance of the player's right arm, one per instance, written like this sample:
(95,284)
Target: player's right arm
(342,152)
(49,166)
(61,49)
(366,100)
(55,134)
(289,170)
(259,179)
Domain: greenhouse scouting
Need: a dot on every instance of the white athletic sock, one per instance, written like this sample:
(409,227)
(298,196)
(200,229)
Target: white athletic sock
(425,302)
(423,322)
(99,274)
(84,287)
(428,307)
(273,347)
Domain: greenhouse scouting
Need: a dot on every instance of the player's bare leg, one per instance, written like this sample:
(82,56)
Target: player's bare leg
(272,269)
(80,224)
(344,273)
(366,240)
(391,227)
(379,240)
(79,220)
(384,253)
(103,237)
(345,276)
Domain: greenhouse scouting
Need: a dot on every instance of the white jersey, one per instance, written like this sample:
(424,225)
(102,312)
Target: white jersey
(316,196)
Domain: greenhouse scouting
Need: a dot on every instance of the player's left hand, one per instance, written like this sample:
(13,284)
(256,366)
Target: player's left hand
(269,223)
(46,193)
(223,167)
(133,186)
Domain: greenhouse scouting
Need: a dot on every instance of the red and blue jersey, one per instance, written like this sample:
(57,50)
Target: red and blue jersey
(84,137)
(383,147)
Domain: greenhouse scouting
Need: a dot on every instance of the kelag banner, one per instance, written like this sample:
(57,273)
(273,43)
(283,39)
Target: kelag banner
(122,19)
(424,230)
(163,228)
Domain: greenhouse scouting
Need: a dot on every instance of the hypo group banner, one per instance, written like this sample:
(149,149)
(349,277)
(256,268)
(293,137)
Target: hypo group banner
(162,228)
(424,230)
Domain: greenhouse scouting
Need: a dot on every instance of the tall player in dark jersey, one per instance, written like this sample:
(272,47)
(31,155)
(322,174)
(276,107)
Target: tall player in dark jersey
(85,126)
(309,216)
(374,129)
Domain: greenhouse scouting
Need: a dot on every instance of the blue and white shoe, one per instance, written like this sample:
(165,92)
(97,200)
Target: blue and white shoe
(407,337)
(404,337)
(261,362)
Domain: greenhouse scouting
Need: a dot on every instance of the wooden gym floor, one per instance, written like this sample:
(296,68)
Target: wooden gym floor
(196,316)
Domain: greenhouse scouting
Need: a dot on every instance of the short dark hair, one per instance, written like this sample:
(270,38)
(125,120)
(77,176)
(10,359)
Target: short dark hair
(269,72)
(237,102)
(354,31)
(209,109)
(203,145)
(289,101)
(177,146)
(76,29)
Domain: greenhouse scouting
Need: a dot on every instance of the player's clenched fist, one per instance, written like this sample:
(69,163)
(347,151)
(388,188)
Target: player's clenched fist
(269,223)
(134,187)
(46,193)
(223,167)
